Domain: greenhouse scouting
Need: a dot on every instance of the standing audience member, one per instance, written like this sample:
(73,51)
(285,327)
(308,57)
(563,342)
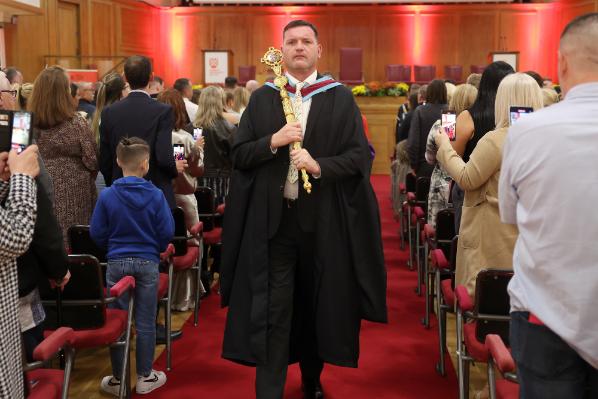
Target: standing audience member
(218,135)
(230,82)
(405,108)
(474,80)
(475,122)
(240,99)
(537,77)
(252,85)
(24,94)
(146,118)
(7,93)
(67,147)
(183,286)
(438,197)
(155,87)
(550,96)
(133,222)
(14,76)
(423,118)
(485,242)
(183,86)
(195,98)
(86,95)
(227,102)
(17,221)
(548,189)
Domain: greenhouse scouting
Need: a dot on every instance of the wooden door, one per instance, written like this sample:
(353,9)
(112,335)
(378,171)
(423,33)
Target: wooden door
(519,32)
(69,35)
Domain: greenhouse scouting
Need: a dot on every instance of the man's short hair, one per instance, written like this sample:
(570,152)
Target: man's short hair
(297,23)
(138,70)
(11,74)
(132,151)
(580,22)
(181,84)
(230,82)
(158,79)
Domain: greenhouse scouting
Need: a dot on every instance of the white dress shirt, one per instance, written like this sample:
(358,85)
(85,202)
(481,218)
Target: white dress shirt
(549,188)
(291,190)
(191,108)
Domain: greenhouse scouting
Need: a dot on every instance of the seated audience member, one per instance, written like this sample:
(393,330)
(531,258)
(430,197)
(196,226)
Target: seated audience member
(474,80)
(133,222)
(475,122)
(240,99)
(548,189)
(24,94)
(146,118)
(86,96)
(549,96)
(183,286)
(67,147)
(112,89)
(17,221)
(252,85)
(183,86)
(7,94)
(423,118)
(438,197)
(218,133)
(14,76)
(155,87)
(230,82)
(485,242)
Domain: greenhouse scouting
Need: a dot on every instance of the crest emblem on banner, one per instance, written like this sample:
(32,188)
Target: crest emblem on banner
(213,63)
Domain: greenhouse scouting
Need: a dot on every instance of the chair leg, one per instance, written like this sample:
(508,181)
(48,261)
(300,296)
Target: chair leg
(466,366)
(69,354)
(168,321)
(441,314)
(460,357)
(125,377)
(429,289)
(491,379)
(410,238)
(418,290)
(401,228)
(197,285)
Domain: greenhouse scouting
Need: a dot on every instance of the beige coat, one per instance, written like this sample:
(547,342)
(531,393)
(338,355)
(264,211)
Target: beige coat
(484,241)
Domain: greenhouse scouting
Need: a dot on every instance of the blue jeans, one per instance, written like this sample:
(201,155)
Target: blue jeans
(146,276)
(547,367)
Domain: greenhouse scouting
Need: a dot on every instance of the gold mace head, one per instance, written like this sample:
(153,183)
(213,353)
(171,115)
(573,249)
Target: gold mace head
(273,59)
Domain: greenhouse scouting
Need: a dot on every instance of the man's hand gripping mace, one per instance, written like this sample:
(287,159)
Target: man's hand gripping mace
(273,58)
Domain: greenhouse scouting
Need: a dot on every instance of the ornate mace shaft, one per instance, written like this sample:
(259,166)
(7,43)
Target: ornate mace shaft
(273,58)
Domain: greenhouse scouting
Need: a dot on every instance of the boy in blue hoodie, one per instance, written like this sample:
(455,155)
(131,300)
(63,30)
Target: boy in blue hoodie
(133,221)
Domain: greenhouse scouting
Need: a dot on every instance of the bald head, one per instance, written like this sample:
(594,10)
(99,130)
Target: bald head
(578,52)
(252,85)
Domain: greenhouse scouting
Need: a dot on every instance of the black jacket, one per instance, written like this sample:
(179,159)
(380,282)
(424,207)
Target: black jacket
(341,213)
(138,115)
(217,150)
(422,121)
(46,257)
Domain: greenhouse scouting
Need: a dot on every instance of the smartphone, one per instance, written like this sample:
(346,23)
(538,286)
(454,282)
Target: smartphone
(449,122)
(179,152)
(21,131)
(197,132)
(5,130)
(516,113)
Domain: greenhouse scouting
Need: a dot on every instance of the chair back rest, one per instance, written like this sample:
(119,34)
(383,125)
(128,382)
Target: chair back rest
(81,305)
(180,232)
(424,73)
(81,243)
(351,65)
(477,68)
(492,298)
(454,73)
(410,182)
(246,73)
(398,73)
(206,206)
(422,189)
(445,229)
(453,257)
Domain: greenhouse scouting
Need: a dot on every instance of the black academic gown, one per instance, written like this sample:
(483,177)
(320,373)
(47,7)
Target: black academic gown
(341,213)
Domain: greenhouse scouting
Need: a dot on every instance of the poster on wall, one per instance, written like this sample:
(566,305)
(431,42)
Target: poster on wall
(215,66)
(510,57)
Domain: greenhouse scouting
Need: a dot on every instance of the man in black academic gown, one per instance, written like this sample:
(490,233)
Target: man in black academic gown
(299,271)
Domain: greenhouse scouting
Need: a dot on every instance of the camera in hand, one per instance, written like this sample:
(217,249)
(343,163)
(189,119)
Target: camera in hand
(15,130)
(449,125)
(179,152)
(516,113)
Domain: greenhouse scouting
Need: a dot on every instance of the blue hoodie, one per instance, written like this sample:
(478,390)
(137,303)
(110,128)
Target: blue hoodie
(132,220)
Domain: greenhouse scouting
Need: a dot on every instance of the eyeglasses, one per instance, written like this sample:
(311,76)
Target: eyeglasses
(11,92)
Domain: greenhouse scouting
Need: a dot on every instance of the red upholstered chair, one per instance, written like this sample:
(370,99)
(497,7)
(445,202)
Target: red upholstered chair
(499,356)
(477,68)
(50,383)
(424,73)
(441,237)
(246,73)
(486,313)
(453,73)
(351,68)
(212,234)
(82,305)
(398,73)
(420,215)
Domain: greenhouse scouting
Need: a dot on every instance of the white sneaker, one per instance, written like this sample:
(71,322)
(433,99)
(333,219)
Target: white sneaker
(153,381)
(110,385)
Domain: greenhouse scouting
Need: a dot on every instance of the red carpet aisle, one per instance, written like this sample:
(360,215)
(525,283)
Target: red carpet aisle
(397,360)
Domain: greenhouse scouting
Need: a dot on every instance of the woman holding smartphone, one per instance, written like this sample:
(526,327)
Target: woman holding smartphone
(484,241)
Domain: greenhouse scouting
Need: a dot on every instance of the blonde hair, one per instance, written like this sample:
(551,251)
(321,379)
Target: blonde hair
(209,107)
(463,97)
(549,96)
(240,98)
(51,100)
(474,80)
(110,91)
(515,90)
(450,90)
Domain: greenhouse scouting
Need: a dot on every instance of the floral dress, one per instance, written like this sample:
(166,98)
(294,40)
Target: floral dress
(440,181)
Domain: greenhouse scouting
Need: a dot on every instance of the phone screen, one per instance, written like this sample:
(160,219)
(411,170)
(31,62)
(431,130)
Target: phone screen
(448,122)
(517,112)
(197,132)
(21,131)
(179,152)
(5,131)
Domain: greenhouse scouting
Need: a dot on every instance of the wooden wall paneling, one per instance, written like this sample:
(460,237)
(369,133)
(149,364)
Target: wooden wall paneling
(329,61)
(477,36)
(137,30)
(394,40)
(519,29)
(355,29)
(69,34)
(230,31)
(438,40)
(101,28)
(196,36)
(266,32)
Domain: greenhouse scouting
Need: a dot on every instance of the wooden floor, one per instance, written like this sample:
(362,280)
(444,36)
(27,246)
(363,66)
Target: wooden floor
(93,364)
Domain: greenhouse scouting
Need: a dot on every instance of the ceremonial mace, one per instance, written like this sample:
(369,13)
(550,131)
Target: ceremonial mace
(273,58)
